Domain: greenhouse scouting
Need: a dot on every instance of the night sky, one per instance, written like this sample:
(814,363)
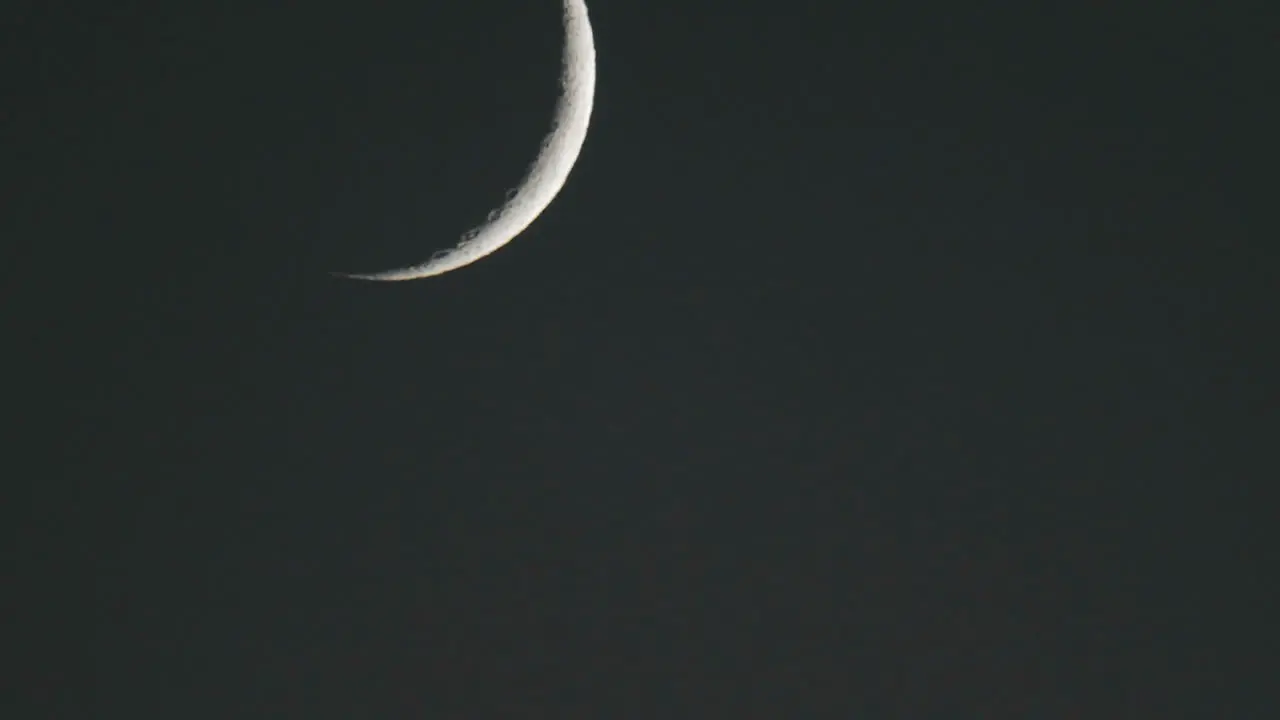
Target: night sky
(877,361)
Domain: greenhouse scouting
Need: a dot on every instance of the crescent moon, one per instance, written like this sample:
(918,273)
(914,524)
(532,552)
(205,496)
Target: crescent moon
(547,174)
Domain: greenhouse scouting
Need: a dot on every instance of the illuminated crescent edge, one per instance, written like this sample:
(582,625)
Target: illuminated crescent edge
(545,177)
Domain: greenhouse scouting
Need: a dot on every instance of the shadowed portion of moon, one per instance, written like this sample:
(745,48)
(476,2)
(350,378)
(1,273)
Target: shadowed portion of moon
(545,176)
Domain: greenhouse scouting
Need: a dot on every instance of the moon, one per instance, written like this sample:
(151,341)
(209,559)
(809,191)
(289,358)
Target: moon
(547,174)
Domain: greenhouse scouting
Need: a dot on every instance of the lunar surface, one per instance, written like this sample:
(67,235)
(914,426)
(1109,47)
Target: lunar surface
(549,170)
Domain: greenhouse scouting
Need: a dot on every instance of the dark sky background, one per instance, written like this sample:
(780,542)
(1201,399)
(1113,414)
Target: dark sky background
(878,360)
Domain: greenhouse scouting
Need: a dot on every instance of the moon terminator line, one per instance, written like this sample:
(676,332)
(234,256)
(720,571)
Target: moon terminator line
(545,177)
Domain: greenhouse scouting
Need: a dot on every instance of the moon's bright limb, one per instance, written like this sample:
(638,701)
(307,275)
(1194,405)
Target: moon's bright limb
(549,170)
